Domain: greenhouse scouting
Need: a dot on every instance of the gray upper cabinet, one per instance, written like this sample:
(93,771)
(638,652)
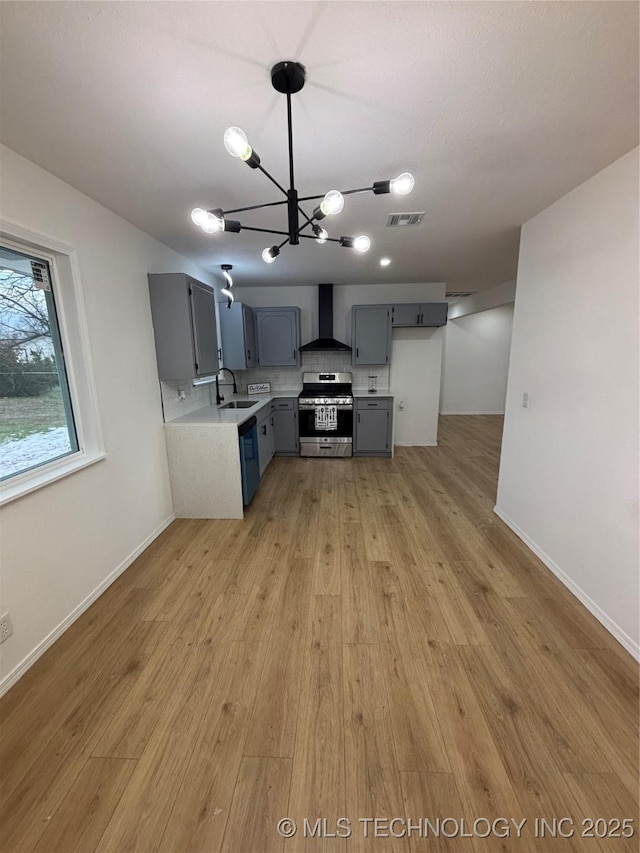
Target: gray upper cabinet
(371,334)
(405,315)
(278,336)
(183,311)
(433,313)
(423,314)
(238,336)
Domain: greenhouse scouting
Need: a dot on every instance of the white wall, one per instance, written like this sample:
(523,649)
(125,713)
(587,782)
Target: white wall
(569,469)
(502,294)
(416,354)
(476,362)
(63,541)
(415,379)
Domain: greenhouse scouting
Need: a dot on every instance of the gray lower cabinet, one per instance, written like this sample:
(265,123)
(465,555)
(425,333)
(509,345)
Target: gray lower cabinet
(278,336)
(286,430)
(183,311)
(266,439)
(237,336)
(371,334)
(422,314)
(372,427)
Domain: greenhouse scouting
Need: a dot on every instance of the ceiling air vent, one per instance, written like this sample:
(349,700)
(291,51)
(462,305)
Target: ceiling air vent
(397,220)
(460,294)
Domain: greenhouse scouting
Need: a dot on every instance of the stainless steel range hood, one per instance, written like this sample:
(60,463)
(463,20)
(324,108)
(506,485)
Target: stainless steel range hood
(325,342)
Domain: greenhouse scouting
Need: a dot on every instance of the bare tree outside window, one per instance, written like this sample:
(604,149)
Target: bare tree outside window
(36,421)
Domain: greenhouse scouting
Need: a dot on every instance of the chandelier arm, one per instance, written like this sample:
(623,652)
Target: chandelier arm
(272,179)
(344,192)
(306,225)
(359,190)
(266,231)
(251,207)
(309,219)
(328,239)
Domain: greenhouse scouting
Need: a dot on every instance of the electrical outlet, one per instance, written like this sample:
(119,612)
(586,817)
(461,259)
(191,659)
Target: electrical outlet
(6,628)
(525,400)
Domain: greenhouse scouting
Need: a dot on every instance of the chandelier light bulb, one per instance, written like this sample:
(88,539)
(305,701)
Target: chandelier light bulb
(403,184)
(212,224)
(321,235)
(236,143)
(205,220)
(332,203)
(362,243)
(270,254)
(198,216)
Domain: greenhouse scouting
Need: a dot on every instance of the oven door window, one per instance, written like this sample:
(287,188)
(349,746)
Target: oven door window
(308,424)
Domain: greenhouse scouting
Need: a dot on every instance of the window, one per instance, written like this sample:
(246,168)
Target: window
(36,418)
(49,420)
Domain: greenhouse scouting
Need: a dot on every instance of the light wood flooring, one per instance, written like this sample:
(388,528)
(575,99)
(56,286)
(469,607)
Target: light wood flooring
(370,642)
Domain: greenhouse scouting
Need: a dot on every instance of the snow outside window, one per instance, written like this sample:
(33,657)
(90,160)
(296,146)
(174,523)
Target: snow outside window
(36,417)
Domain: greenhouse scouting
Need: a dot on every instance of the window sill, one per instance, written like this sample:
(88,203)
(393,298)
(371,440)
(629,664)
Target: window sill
(30,481)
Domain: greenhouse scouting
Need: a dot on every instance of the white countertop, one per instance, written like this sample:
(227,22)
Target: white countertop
(219,416)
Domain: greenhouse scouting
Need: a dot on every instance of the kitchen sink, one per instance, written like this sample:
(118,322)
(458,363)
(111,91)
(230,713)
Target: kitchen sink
(240,404)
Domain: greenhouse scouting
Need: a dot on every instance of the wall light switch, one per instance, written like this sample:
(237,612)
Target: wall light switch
(525,400)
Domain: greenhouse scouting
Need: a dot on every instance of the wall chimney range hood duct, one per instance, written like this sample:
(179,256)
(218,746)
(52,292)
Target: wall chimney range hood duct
(325,342)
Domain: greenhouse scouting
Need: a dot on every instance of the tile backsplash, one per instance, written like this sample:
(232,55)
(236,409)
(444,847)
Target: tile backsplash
(196,396)
(290,378)
(281,379)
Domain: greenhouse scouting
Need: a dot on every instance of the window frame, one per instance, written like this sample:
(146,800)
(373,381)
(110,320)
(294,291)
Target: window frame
(74,335)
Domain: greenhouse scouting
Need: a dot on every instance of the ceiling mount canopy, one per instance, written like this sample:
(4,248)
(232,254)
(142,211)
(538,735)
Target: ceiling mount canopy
(288,78)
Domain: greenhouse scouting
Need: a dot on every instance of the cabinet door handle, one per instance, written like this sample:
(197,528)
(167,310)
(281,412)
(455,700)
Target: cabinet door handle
(418,320)
(357,352)
(264,430)
(358,417)
(372,404)
(249,354)
(421,319)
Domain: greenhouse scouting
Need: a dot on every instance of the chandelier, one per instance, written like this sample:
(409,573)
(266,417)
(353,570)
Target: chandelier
(289,78)
(226,291)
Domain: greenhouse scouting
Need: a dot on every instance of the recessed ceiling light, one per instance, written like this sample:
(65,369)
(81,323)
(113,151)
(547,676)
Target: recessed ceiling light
(384,262)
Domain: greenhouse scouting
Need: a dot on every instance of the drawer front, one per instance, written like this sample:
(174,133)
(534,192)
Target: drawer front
(372,404)
(283,404)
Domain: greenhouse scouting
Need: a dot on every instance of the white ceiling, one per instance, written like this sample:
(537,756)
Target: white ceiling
(497,108)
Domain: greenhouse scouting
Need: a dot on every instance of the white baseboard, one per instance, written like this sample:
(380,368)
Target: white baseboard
(473,413)
(18,671)
(416,444)
(612,627)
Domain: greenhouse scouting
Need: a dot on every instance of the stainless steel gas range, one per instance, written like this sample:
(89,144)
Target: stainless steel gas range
(325,407)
